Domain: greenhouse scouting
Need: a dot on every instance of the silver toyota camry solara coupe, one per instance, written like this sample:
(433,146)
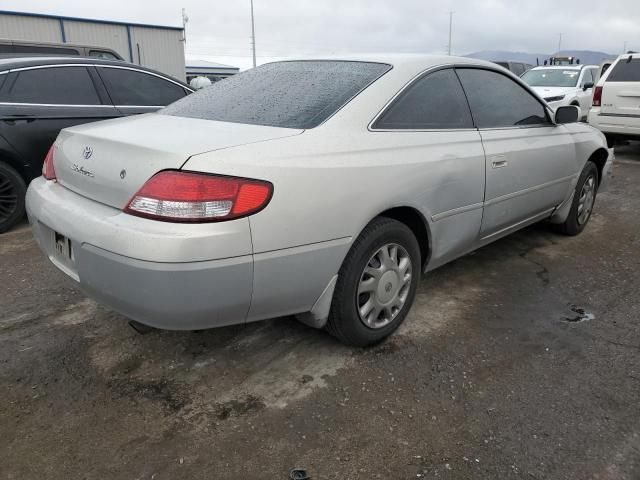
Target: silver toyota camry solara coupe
(316,188)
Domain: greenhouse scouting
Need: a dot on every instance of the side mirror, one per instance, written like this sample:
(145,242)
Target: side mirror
(587,86)
(567,114)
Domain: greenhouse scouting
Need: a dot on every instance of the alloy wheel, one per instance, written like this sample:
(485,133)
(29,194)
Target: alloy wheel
(586,199)
(8,198)
(384,286)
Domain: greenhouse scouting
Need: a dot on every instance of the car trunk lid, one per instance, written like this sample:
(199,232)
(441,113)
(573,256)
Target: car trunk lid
(109,161)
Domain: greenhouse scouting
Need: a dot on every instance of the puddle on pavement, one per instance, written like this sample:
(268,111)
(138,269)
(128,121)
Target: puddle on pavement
(581,315)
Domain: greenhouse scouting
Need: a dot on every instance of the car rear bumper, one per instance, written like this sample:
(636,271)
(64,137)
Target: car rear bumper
(201,276)
(627,126)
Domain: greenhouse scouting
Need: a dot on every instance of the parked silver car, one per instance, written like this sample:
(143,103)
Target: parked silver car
(320,188)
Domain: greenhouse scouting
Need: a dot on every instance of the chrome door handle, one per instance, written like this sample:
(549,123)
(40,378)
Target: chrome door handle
(499,163)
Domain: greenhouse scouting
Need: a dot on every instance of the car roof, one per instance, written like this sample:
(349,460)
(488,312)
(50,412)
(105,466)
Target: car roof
(627,55)
(398,59)
(12,62)
(564,67)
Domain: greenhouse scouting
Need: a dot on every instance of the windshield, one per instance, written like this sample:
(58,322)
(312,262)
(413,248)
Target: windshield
(551,77)
(297,94)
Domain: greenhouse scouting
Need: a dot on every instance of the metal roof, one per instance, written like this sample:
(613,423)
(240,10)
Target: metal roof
(89,20)
(204,64)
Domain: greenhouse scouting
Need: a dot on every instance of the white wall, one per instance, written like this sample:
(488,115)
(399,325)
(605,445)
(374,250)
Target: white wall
(159,49)
(98,34)
(30,28)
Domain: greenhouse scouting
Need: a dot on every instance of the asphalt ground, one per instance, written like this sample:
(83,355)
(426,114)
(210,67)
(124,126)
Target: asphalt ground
(521,360)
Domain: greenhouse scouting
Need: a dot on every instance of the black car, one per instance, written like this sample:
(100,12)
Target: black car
(39,96)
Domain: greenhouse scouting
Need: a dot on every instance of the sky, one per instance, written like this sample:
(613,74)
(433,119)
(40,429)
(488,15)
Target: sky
(220,30)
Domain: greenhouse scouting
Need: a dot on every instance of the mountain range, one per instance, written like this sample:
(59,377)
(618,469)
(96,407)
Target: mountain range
(587,57)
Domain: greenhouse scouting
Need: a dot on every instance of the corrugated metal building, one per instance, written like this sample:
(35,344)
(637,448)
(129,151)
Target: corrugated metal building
(154,46)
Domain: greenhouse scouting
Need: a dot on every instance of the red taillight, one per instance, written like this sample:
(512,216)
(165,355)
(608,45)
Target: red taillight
(48,171)
(174,196)
(597,96)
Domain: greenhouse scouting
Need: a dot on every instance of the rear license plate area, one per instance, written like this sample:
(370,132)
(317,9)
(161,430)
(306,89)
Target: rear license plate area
(63,248)
(61,254)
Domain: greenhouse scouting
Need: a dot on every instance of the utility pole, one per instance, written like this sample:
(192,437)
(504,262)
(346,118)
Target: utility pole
(253,36)
(185,19)
(450,29)
(560,44)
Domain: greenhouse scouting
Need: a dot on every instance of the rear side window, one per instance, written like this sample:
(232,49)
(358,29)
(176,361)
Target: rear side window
(130,87)
(54,85)
(499,102)
(625,71)
(435,101)
(297,94)
(104,55)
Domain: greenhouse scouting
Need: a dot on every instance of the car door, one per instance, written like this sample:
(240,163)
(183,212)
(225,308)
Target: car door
(136,91)
(37,102)
(585,94)
(429,124)
(529,160)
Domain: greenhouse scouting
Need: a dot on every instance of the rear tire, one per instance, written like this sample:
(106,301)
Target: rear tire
(376,284)
(584,199)
(12,196)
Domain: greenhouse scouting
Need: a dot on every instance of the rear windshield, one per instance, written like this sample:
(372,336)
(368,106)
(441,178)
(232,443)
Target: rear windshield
(551,77)
(297,94)
(625,71)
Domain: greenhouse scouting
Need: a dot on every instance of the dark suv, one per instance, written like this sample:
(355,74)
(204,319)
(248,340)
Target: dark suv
(39,96)
(517,68)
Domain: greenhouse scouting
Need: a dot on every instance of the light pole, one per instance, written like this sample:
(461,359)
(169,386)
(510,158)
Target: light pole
(450,29)
(560,43)
(253,36)
(185,19)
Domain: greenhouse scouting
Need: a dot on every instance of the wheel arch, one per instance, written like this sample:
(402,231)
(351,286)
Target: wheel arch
(11,158)
(417,223)
(599,157)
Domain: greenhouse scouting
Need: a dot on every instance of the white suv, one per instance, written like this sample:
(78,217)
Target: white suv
(564,85)
(616,100)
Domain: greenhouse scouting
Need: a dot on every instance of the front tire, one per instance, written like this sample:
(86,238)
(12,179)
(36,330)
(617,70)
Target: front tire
(583,201)
(376,284)
(12,197)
